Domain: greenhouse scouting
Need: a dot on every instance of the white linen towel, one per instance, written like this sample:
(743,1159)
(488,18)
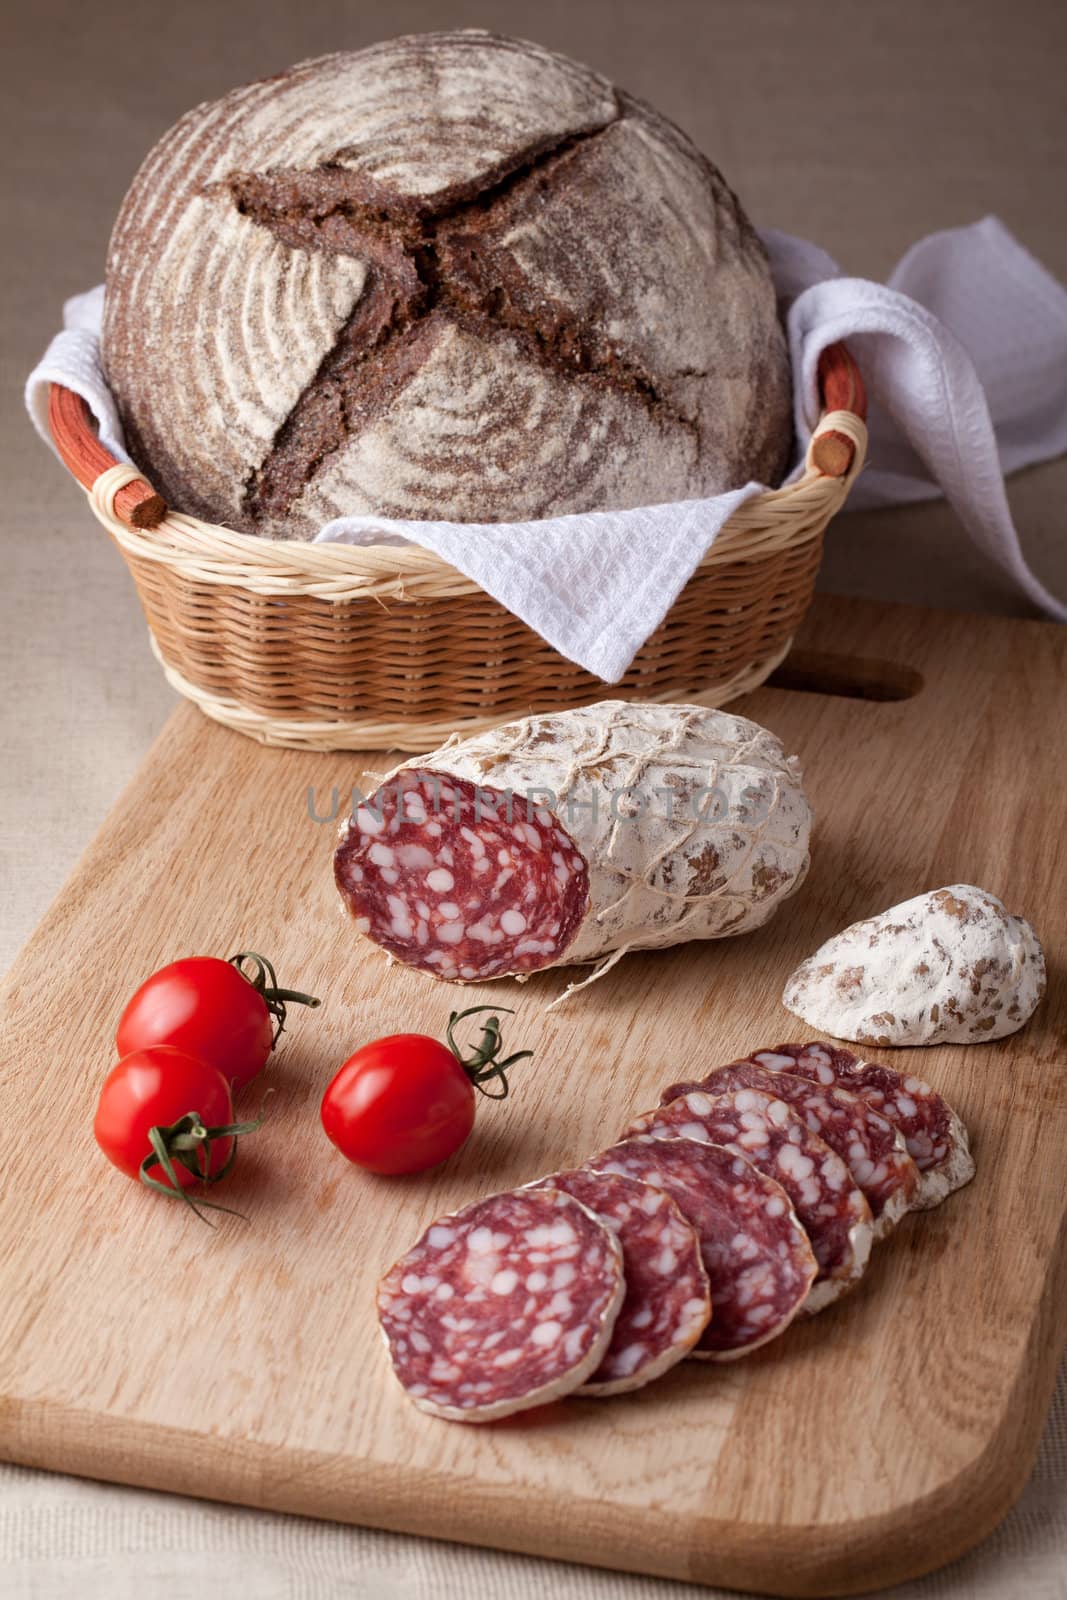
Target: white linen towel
(964,354)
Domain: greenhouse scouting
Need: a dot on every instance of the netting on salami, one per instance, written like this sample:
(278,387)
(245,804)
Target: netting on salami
(870,1145)
(574,837)
(757,1256)
(936,1138)
(769,1133)
(504,1305)
(667,1304)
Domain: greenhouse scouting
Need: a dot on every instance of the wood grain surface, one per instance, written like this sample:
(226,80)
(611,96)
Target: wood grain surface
(877,1441)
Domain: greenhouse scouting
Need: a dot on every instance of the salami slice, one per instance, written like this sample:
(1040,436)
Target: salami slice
(757,1257)
(504,1305)
(936,1138)
(573,838)
(872,1148)
(770,1134)
(667,1304)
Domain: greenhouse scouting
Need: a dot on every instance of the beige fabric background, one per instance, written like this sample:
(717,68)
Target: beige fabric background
(861,125)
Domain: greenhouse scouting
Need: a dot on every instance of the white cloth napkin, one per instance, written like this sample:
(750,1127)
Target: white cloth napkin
(964,354)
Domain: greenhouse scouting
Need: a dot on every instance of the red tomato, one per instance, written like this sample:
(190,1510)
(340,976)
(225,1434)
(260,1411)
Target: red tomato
(401,1104)
(155,1089)
(406,1102)
(209,1008)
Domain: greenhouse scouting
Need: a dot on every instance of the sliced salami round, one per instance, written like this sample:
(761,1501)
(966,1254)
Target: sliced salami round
(757,1256)
(668,1303)
(936,1138)
(504,1305)
(574,837)
(771,1135)
(871,1147)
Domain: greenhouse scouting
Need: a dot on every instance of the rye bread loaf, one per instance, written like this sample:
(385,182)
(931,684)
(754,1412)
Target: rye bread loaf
(452,276)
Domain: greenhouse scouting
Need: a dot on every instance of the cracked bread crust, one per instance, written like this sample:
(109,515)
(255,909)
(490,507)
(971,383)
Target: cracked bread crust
(453,276)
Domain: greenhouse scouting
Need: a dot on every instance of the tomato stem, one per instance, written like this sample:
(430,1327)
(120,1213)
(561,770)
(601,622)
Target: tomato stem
(189,1142)
(482,1066)
(264,981)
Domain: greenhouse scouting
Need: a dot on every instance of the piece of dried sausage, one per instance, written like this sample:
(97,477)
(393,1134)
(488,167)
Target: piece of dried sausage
(504,1305)
(870,1145)
(757,1256)
(770,1134)
(667,1304)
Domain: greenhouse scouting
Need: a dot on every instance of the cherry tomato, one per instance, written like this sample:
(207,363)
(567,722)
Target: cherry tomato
(211,1009)
(158,1088)
(401,1104)
(406,1102)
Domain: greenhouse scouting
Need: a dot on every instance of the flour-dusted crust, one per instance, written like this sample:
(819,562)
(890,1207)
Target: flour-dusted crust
(507,1304)
(668,1303)
(575,836)
(949,967)
(453,276)
(934,1133)
(871,1146)
(778,1142)
(757,1256)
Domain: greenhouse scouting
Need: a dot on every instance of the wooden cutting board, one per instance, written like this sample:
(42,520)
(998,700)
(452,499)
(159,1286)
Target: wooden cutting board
(243,1363)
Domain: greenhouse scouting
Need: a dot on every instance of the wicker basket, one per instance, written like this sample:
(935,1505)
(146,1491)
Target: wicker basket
(338,647)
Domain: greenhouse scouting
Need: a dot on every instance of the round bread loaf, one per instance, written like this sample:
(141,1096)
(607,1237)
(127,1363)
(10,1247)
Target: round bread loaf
(453,276)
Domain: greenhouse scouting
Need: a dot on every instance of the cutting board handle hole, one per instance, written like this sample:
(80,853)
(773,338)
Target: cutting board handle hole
(851,677)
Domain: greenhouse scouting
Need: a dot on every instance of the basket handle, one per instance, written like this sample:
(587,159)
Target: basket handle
(841,386)
(70,420)
(139,506)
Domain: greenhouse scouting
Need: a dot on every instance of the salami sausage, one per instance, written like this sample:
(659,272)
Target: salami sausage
(667,1304)
(936,1138)
(757,1257)
(574,837)
(872,1148)
(770,1134)
(504,1305)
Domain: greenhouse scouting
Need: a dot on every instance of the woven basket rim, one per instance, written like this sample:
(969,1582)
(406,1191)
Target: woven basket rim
(144,525)
(271,637)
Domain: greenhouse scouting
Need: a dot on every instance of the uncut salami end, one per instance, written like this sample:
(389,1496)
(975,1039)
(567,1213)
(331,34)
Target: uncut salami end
(870,1145)
(667,1304)
(507,1304)
(935,1136)
(769,1133)
(757,1257)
